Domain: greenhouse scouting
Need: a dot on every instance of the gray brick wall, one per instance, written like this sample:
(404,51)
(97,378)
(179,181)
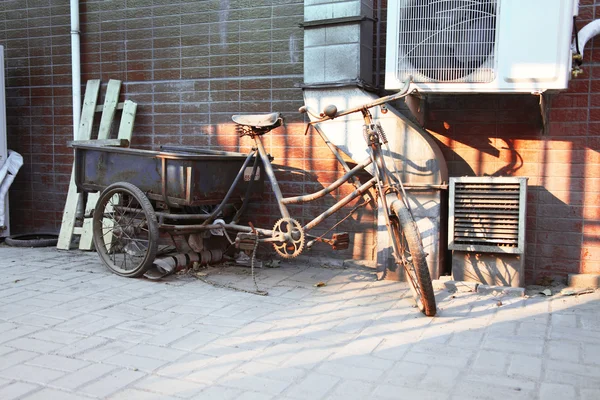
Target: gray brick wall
(189,65)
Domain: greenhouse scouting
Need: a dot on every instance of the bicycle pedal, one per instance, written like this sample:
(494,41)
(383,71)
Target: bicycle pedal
(245,241)
(340,241)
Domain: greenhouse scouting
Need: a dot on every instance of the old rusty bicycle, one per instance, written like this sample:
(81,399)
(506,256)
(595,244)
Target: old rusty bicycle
(187,193)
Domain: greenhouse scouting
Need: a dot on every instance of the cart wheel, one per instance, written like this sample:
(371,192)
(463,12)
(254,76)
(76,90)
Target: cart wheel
(125,230)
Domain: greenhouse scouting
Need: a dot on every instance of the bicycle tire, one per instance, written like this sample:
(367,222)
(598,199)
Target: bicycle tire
(146,252)
(404,231)
(32,240)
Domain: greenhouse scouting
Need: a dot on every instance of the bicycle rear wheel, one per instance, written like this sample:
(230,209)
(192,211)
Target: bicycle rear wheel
(409,253)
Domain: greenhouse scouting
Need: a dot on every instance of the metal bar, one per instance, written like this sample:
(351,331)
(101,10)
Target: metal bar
(333,148)
(334,21)
(239,175)
(197,228)
(420,186)
(358,192)
(272,178)
(336,152)
(382,100)
(239,213)
(164,183)
(328,189)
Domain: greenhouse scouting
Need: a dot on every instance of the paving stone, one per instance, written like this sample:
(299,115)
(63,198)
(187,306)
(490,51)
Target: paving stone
(563,350)
(399,392)
(515,344)
(157,352)
(114,381)
(253,383)
(170,386)
(136,394)
(105,351)
(59,363)
(135,362)
(490,361)
(552,391)
(82,346)
(31,374)
(591,354)
(590,394)
(501,291)
(16,389)
(81,377)
(194,341)
(314,386)
(168,337)
(15,357)
(526,366)
(39,346)
(440,379)
(351,390)
(46,394)
(351,372)
(54,336)
(286,374)
(219,393)
(254,396)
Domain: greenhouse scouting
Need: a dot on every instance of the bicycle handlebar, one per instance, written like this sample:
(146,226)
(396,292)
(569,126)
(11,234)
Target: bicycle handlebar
(382,100)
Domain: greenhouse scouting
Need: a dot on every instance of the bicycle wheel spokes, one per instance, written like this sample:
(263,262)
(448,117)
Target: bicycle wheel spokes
(125,230)
(410,254)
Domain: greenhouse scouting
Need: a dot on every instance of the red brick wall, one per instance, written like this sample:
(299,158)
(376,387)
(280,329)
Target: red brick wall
(502,135)
(189,65)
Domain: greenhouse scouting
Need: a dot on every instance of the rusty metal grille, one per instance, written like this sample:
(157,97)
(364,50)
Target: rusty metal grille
(487,214)
(447,40)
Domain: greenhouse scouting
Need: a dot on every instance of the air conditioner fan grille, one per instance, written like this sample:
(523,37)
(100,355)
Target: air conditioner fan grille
(447,40)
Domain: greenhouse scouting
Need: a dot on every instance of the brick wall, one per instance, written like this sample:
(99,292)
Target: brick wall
(189,65)
(192,64)
(502,135)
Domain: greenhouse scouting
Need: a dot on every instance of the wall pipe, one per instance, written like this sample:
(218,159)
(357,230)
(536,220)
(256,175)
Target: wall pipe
(75,66)
(587,33)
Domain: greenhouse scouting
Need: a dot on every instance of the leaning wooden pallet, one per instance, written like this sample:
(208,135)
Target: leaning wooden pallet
(111,104)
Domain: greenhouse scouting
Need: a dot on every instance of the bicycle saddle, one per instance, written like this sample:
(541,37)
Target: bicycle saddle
(258,120)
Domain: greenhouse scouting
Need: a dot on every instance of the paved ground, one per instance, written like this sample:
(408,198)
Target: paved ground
(71,330)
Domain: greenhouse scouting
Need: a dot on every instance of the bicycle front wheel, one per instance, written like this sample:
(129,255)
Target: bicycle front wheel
(409,253)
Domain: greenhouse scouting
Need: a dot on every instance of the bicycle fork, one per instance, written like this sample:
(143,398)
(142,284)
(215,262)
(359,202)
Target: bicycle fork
(374,138)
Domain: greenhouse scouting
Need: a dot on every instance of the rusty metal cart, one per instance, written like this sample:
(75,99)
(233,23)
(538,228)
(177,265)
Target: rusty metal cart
(147,194)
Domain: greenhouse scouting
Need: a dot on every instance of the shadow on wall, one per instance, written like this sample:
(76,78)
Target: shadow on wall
(502,136)
(303,165)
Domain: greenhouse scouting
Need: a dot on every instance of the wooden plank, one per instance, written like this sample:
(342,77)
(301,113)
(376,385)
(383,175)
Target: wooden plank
(127,119)
(100,143)
(125,132)
(88,110)
(110,105)
(84,133)
(119,107)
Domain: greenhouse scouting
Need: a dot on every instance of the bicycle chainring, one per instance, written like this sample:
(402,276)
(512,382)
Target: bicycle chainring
(295,240)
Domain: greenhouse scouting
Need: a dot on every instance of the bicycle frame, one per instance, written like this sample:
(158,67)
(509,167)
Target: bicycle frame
(383,182)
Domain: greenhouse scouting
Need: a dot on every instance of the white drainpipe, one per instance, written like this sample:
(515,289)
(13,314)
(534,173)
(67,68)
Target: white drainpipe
(76,66)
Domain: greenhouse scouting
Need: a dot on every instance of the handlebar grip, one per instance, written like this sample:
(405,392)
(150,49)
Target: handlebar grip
(303,110)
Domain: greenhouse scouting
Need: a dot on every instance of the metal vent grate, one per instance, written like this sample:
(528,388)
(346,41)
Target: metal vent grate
(487,214)
(447,40)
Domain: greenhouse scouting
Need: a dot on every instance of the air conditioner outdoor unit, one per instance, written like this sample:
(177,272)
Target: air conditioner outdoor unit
(478,46)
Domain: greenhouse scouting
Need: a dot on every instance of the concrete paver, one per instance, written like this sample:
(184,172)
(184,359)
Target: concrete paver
(69,329)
